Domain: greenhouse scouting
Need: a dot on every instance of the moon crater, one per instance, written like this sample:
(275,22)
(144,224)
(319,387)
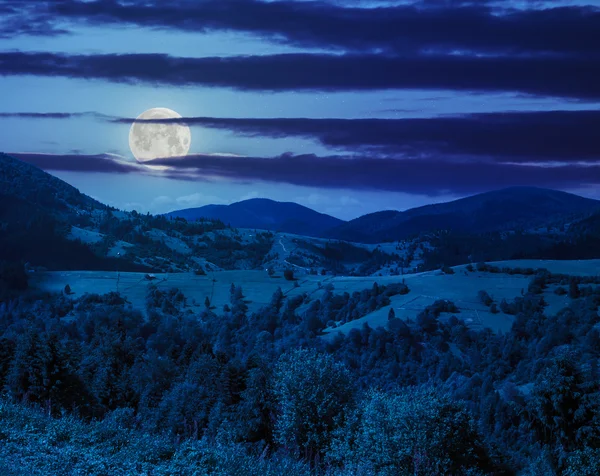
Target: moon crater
(149,141)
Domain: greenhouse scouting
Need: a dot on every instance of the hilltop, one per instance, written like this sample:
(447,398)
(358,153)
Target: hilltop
(265,214)
(510,208)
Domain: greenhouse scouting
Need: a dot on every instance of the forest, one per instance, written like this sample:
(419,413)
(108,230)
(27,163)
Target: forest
(91,386)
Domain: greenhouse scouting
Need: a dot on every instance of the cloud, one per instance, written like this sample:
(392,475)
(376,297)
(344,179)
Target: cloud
(432,177)
(78,163)
(33,18)
(421,26)
(52,115)
(574,77)
(543,136)
(510,136)
(429,177)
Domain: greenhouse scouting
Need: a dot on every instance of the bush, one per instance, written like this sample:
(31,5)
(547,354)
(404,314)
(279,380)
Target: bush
(289,274)
(417,431)
(447,270)
(312,391)
(485,298)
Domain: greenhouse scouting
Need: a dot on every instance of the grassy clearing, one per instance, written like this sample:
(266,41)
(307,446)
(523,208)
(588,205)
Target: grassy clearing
(462,289)
(258,287)
(425,288)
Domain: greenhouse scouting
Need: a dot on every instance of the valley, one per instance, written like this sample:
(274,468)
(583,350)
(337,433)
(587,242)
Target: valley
(427,287)
(159,327)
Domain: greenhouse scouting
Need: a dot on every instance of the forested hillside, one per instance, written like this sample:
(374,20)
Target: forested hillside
(234,392)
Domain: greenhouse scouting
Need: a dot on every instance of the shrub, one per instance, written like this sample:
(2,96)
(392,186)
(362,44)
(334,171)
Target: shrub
(447,270)
(417,431)
(289,274)
(312,391)
(485,298)
(560,291)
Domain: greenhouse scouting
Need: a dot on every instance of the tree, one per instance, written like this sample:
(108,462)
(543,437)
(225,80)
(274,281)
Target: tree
(391,314)
(68,290)
(573,289)
(289,274)
(312,392)
(565,407)
(207,303)
(485,298)
(418,431)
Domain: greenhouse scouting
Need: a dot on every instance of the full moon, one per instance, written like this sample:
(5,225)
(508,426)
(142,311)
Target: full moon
(149,141)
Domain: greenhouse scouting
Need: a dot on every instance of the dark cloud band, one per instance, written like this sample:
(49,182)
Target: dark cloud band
(550,136)
(423,26)
(562,77)
(515,136)
(78,163)
(428,177)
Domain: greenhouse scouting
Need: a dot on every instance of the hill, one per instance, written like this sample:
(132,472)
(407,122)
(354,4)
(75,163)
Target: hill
(31,184)
(510,208)
(37,214)
(265,214)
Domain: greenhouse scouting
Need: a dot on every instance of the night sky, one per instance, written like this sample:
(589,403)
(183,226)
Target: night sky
(346,107)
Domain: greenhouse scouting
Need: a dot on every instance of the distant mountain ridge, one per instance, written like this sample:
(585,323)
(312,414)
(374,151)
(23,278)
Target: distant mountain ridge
(265,214)
(509,208)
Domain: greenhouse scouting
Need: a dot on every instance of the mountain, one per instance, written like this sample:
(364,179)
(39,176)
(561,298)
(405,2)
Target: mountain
(37,212)
(27,182)
(509,208)
(265,214)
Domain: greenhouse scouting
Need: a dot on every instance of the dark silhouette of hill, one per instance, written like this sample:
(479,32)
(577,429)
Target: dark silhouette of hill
(36,214)
(265,214)
(22,180)
(509,208)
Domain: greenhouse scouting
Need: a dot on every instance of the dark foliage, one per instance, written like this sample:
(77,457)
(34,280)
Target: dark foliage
(475,402)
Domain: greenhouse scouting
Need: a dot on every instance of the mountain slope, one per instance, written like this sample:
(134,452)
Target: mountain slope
(510,208)
(27,182)
(37,212)
(265,214)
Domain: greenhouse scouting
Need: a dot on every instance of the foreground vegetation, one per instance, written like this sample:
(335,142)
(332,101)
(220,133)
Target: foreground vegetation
(92,387)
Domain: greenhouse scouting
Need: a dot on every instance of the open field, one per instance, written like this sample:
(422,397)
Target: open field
(590,267)
(258,288)
(426,288)
(462,289)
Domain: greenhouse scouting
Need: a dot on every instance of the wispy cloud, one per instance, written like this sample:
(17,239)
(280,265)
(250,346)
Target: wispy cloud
(426,177)
(107,163)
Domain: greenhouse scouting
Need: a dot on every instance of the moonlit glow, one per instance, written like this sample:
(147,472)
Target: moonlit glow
(149,141)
